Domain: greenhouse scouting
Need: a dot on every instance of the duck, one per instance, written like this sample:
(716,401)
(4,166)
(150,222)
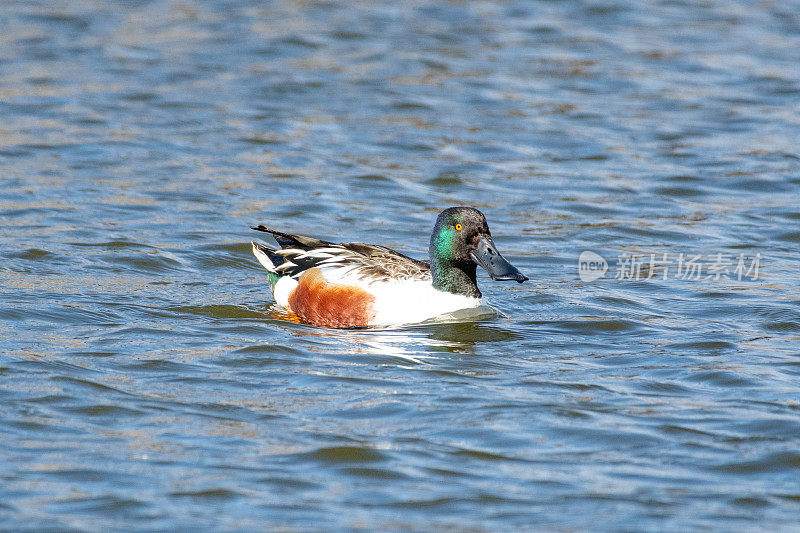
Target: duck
(357,285)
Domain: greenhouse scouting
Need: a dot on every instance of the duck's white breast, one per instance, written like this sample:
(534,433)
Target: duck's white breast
(410,301)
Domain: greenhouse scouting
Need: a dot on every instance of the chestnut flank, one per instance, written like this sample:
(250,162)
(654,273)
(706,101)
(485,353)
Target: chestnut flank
(320,303)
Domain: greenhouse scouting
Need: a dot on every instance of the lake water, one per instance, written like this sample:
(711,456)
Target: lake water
(148,382)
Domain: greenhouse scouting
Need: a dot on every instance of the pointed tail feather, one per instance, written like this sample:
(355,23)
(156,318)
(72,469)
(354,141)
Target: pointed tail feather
(287,240)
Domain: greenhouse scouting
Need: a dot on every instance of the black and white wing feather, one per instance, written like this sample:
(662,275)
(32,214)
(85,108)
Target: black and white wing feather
(365,261)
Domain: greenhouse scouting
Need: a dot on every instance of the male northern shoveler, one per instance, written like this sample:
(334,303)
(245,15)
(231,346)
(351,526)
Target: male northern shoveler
(356,285)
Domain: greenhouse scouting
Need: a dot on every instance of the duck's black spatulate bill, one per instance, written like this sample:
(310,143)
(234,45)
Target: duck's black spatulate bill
(487,256)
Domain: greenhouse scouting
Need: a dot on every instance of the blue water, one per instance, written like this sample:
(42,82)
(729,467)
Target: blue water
(150,383)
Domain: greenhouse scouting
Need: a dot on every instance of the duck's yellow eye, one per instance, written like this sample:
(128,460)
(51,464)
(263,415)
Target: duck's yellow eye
(459,226)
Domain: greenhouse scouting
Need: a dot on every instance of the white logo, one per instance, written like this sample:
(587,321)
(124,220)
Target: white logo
(591,266)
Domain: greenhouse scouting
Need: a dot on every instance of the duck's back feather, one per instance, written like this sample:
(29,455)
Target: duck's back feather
(368,262)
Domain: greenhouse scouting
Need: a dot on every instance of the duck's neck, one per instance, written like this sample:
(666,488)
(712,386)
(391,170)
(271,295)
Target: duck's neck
(454,278)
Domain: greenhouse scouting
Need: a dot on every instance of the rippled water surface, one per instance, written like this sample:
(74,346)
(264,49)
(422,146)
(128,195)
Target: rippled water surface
(149,382)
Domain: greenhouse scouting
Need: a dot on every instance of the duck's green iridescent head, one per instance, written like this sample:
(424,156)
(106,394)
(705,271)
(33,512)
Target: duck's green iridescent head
(460,241)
